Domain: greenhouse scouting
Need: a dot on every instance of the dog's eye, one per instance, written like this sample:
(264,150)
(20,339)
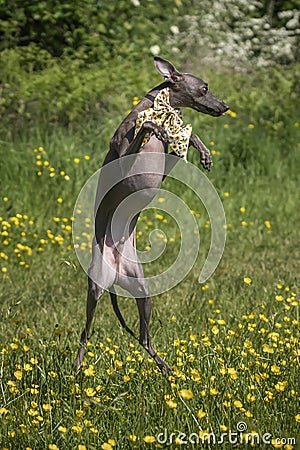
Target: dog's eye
(204,90)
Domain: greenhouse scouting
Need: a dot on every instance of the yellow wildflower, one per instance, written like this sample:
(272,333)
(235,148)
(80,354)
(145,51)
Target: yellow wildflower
(24,428)
(106,446)
(90,392)
(52,374)
(232,373)
(46,407)
(87,423)
(238,404)
(203,434)
(267,349)
(186,394)
(201,414)
(213,391)
(89,372)
(276,443)
(231,113)
(14,346)
(149,439)
(118,364)
(18,374)
(171,404)
(275,369)
(34,389)
(280,386)
(215,330)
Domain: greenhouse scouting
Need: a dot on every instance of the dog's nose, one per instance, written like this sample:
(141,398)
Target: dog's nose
(226,107)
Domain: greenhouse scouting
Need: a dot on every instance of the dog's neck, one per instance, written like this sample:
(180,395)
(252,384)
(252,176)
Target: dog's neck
(148,100)
(162,114)
(129,121)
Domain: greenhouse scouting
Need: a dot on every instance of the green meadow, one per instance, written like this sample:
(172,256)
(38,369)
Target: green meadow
(233,341)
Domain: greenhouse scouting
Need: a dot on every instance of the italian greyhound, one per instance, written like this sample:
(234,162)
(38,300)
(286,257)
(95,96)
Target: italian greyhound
(114,256)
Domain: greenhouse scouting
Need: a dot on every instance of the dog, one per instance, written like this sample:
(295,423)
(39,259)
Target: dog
(154,125)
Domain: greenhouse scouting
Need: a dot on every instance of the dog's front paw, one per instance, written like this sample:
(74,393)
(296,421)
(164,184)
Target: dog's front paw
(205,159)
(161,134)
(158,131)
(205,156)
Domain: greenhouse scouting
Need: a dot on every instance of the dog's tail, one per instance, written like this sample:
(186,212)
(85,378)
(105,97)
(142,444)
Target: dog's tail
(114,302)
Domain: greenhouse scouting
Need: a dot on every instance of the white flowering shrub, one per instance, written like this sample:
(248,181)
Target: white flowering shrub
(239,31)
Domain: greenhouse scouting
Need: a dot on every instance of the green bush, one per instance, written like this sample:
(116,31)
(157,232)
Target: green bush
(65,62)
(88,30)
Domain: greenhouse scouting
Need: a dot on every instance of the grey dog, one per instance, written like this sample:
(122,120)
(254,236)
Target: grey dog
(114,257)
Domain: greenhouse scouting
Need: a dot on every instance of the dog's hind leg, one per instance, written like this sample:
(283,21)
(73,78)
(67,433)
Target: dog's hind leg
(144,306)
(101,277)
(93,295)
(133,280)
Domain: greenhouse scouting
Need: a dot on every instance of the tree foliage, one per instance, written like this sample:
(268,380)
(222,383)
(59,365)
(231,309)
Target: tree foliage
(62,60)
(90,30)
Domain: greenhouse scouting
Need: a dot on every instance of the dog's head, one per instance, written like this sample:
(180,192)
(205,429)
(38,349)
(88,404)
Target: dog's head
(187,90)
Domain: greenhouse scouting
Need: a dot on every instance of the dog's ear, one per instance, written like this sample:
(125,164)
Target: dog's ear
(167,70)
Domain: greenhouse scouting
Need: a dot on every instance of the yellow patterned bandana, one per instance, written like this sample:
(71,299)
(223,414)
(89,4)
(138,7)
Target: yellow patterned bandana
(164,115)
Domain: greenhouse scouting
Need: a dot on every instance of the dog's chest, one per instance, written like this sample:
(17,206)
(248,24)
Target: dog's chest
(148,168)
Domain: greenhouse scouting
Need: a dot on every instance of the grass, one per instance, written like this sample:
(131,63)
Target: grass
(233,342)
